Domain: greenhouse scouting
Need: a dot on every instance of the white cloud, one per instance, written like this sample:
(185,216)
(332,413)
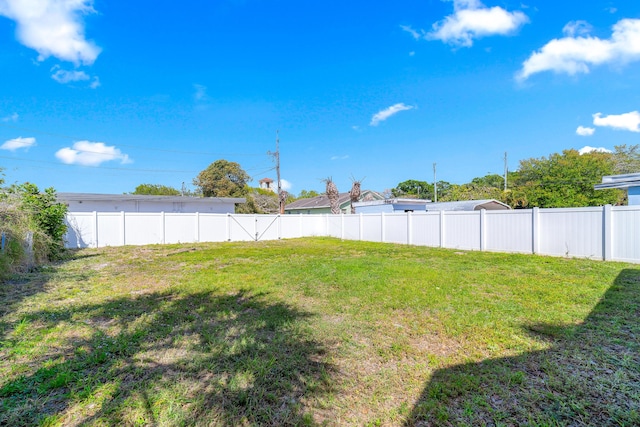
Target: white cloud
(471,20)
(586,149)
(286,185)
(88,153)
(585,131)
(11,118)
(17,143)
(414,33)
(577,51)
(53,28)
(577,28)
(388,112)
(95,83)
(345,157)
(628,121)
(64,76)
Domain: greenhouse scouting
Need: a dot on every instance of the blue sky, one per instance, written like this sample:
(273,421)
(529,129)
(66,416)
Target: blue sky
(101,96)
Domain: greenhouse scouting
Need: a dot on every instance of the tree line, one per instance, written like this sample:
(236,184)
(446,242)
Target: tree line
(563,179)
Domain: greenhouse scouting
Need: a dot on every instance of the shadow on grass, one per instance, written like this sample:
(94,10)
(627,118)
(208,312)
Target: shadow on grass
(589,376)
(173,359)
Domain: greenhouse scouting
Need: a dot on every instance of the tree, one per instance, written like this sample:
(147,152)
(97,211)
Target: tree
(156,190)
(304,194)
(354,194)
(45,215)
(333,194)
(626,159)
(566,180)
(222,179)
(413,188)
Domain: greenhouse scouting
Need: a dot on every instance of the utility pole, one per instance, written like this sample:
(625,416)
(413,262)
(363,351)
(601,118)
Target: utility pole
(435,185)
(506,169)
(276,157)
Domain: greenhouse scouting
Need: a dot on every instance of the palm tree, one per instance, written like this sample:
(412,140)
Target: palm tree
(333,195)
(355,194)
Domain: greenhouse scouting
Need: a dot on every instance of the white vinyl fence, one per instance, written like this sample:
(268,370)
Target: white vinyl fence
(609,233)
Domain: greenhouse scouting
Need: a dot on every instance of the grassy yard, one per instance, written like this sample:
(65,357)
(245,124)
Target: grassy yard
(320,332)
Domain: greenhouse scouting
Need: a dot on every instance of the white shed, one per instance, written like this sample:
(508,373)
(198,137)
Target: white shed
(88,202)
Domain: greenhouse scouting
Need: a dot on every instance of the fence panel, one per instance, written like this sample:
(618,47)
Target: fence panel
(142,229)
(80,230)
(425,229)
(372,227)
(109,229)
(462,230)
(213,227)
(395,228)
(180,228)
(509,231)
(571,232)
(351,227)
(626,234)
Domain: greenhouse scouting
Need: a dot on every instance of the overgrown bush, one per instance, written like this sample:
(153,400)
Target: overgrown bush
(33,226)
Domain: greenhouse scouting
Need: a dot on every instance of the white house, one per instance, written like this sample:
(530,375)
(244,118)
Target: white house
(88,202)
(629,181)
(391,205)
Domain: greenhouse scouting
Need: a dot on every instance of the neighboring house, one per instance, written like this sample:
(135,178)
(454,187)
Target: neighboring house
(88,202)
(629,181)
(392,205)
(267,184)
(468,205)
(320,204)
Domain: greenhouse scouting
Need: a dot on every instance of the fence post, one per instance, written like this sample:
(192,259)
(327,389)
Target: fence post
(341,226)
(483,229)
(409,228)
(123,235)
(228,231)
(197,226)
(383,226)
(607,233)
(535,230)
(29,249)
(255,227)
(361,231)
(95,229)
(162,225)
(279,226)
(442,233)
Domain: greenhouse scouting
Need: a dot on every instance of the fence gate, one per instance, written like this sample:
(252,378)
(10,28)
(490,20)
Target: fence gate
(255,227)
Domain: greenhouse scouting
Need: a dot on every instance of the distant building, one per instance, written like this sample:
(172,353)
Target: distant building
(320,204)
(267,184)
(88,202)
(392,205)
(629,181)
(468,205)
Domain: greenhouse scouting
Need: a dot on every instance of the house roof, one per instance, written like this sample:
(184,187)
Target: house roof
(94,197)
(266,180)
(396,201)
(619,181)
(467,205)
(322,201)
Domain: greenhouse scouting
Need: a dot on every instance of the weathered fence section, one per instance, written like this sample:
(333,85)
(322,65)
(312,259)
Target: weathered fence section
(610,233)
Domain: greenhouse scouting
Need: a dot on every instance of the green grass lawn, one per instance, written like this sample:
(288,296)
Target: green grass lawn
(320,332)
